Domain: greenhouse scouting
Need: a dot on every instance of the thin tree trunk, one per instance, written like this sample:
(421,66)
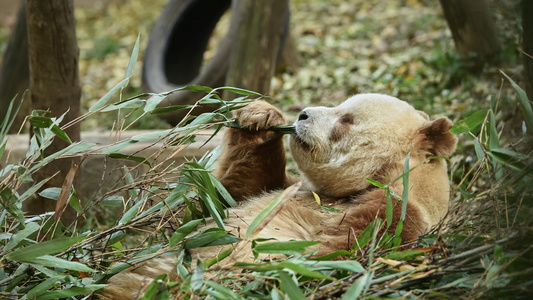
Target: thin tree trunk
(527,26)
(472,29)
(15,72)
(255,53)
(54,80)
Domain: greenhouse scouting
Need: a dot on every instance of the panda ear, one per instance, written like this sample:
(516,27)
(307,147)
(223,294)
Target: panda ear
(434,138)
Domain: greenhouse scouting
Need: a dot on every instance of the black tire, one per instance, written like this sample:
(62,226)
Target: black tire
(15,71)
(174,54)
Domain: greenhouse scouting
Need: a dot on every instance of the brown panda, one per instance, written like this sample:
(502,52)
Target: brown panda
(336,149)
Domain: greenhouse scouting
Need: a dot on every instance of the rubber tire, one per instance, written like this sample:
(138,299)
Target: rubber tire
(174,54)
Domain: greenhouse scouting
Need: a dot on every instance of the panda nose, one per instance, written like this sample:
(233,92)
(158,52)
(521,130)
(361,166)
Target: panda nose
(303,116)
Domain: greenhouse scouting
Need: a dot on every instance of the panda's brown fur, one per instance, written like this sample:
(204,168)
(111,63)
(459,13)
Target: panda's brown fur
(336,149)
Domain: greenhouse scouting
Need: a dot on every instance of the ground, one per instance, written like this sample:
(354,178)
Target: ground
(401,48)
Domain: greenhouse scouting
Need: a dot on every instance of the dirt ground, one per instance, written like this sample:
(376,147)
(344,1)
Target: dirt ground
(8,8)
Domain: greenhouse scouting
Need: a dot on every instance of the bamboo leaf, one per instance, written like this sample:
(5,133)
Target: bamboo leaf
(71,292)
(356,289)
(523,101)
(287,247)
(223,292)
(271,210)
(239,91)
(223,254)
(289,287)
(151,135)
(21,235)
(133,58)
(118,147)
(134,103)
(103,101)
(204,238)
(139,159)
(56,262)
(43,248)
(130,213)
(303,270)
(405,192)
(348,265)
(153,102)
(183,231)
(470,123)
(43,287)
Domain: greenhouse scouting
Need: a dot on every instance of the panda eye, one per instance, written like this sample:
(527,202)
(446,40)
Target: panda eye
(346,119)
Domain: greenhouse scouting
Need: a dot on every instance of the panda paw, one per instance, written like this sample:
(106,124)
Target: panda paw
(259,115)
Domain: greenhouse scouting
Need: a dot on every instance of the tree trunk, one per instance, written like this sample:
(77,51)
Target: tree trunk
(255,53)
(15,72)
(472,29)
(527,27)
(54,80)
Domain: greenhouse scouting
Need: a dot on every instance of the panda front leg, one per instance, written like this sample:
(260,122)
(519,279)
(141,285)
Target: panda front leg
(253,159)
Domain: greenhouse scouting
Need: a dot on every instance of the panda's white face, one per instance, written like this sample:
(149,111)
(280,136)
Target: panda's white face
(338,148)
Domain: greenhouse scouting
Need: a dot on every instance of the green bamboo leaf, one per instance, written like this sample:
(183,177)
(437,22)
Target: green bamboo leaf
(43,248)
(71,292)
(40,121)
(356,289)
(405,192)
(116,237)
(223,254)
(112,201)
(214,212)
(172,200)
(303,270)
(239,91)
(56,262)
(376,183)
(523,101)
(103,101)
(8,122)
(494,138)
(204,238)
(133,58)
(61,134)
(134,103)
(197,88)
(153,102)
(271,210)
(167,109)
(130,213)
(151,135)
(388,209)
(222,292)
(366,236)
(348,265)
(21,235)
(71,149)
(50,193)
(118,147)
(333,255)
(287,247)
(289,287)
(156,289)
(183,231)
(43,287)
(139,159)
(222,190)
(470,123)
(210,237)
(404,255)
